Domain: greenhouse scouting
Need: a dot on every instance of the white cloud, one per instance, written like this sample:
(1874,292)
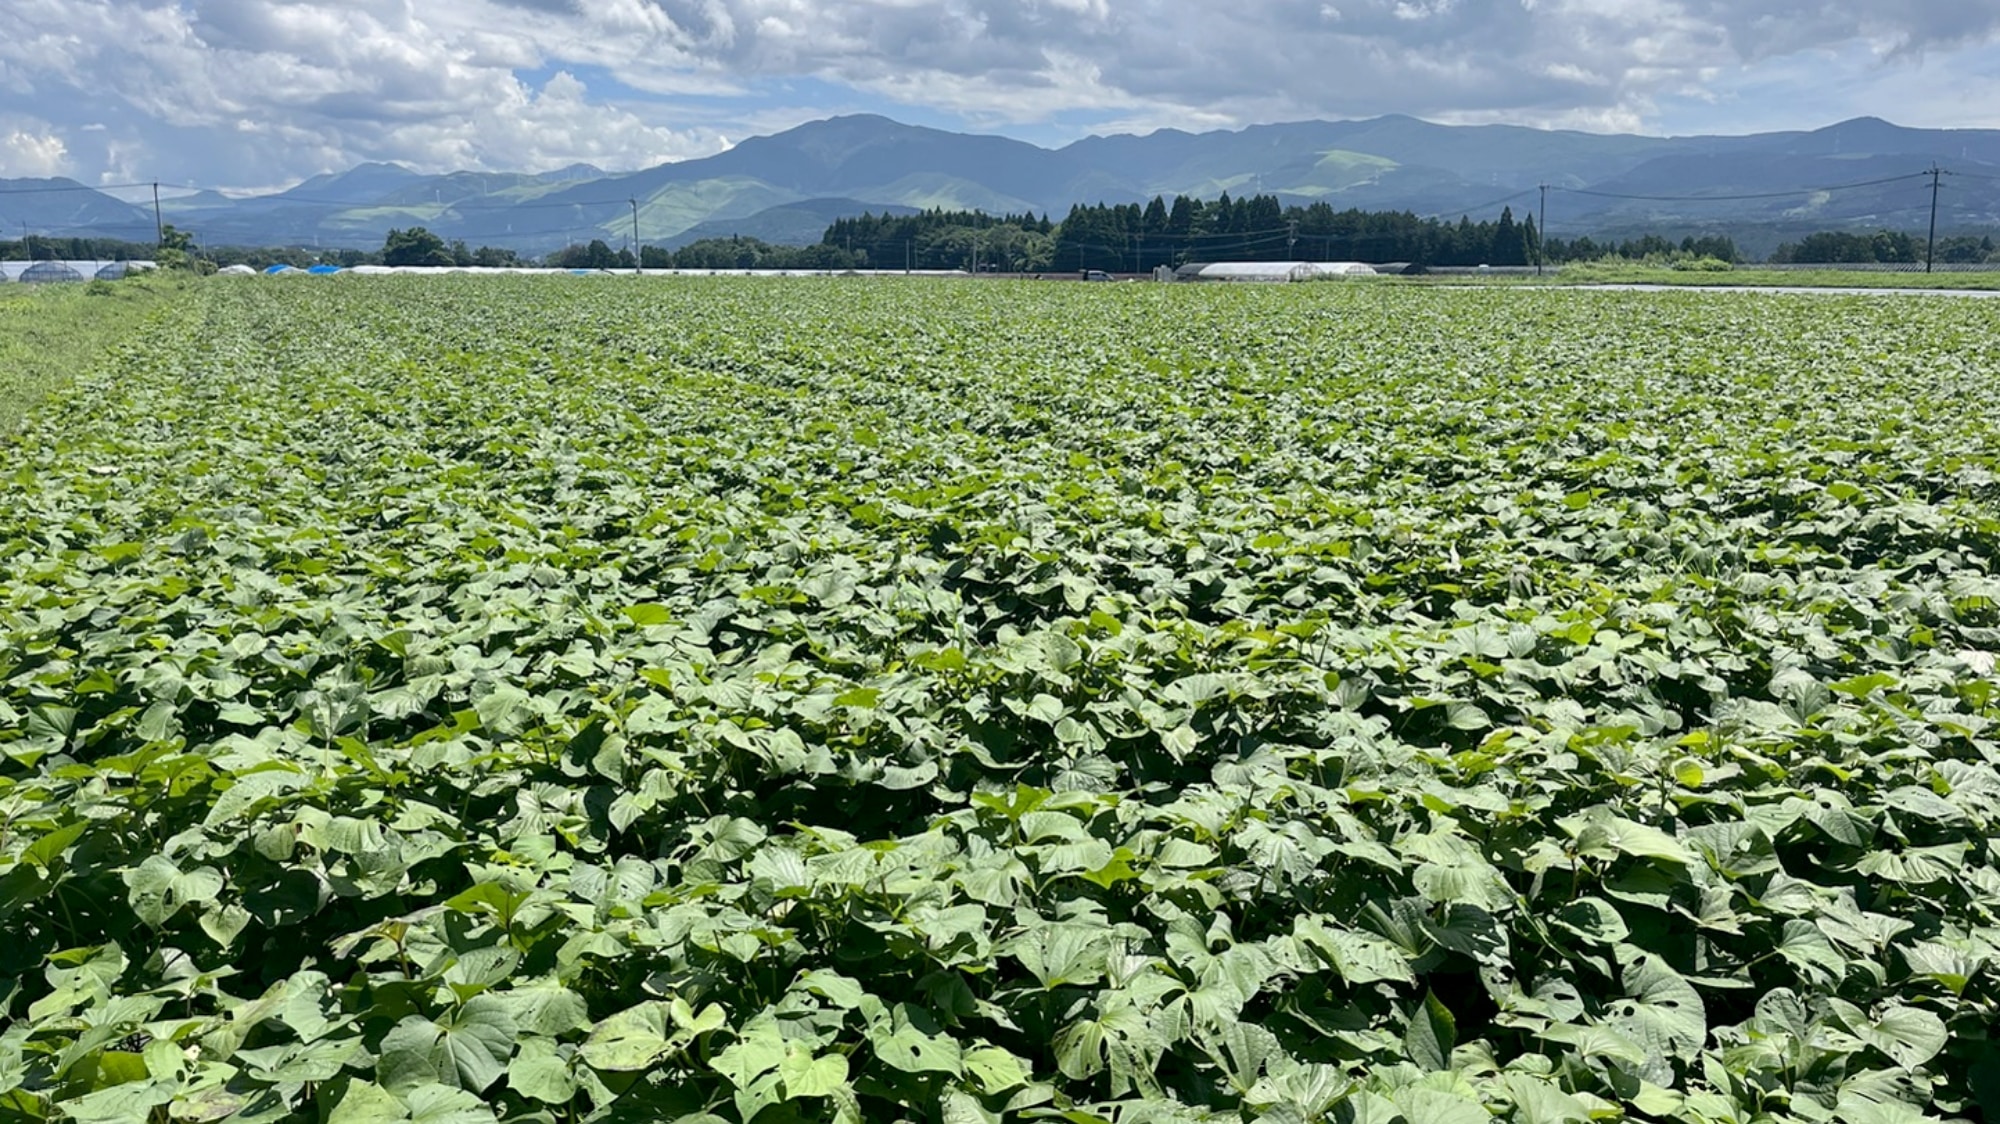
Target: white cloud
(240,92)
(559,126)
(33,152)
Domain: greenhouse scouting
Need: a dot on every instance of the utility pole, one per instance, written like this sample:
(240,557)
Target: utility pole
(159,228)
(638,264)
(1291,237)
(1930,250)
(1541,230)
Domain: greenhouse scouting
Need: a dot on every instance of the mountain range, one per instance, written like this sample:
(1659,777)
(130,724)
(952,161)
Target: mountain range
(1860,174)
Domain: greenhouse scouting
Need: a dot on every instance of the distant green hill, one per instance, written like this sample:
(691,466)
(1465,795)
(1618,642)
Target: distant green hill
(779,188)
(793,224)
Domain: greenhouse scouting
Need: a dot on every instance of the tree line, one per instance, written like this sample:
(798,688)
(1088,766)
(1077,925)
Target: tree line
(1651,247)
(1132,237)
(36,247)
(1135,238)
(1884,246)
(1122,238)
(1126,238)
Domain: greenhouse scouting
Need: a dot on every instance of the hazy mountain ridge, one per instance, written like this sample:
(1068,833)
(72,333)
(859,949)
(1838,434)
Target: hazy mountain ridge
(776,187)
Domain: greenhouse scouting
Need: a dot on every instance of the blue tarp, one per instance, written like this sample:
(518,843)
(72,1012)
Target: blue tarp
(323,270)
(281,269)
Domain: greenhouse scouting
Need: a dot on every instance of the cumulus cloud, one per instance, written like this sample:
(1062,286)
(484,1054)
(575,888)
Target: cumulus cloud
(260,92)
(33,151)
(243,92)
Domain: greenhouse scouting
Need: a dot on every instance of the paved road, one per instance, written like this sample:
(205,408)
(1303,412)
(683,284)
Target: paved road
(1787,289)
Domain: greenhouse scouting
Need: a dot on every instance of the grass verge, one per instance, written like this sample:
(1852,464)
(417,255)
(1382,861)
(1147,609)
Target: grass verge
(1832,278)
(50,332)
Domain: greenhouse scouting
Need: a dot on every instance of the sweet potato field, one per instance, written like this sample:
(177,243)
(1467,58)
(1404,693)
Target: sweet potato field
(557,699)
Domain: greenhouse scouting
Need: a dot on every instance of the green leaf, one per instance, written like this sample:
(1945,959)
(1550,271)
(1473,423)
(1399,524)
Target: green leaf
(841,991)
(648,616)
(121,1103)
(478,1041)
(863,698)
(1060,955)
(469,1050)
(51,726)
(914,1051)
(159,889)
(1433,1106)
(631,1040)
(160,722)
(1595,1042)
(439,1104)
(1921,802)
(1663,1014)
(1811,953)
(1910,1036)
(505,711)
(1942,964)
(1467,716)
(1537,1101)
(1432,1034)
(1045,708)
(547,1009)
(1593,919)
(995,1070)
(540,1072)
(1359,957)
(807,1076)
(1866,1110)
(1863,686)
(961,1108)
(367,1103)
(1605,835)
(45,851)
(756,1053)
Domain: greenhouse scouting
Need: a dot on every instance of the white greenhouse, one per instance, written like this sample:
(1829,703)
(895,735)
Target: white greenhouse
(1274,271)
(45,271)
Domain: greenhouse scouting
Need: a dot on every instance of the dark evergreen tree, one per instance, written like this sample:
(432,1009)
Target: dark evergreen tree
(1507,247)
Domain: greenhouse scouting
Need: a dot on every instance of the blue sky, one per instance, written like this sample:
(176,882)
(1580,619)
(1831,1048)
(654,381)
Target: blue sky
(262,93)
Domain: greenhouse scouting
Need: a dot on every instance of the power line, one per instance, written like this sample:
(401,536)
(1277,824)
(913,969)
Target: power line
(1742,197)
(526,204)
(1504,199)
(72,188)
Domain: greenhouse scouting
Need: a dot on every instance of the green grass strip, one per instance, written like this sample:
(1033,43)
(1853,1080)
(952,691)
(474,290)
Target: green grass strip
(49,333)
